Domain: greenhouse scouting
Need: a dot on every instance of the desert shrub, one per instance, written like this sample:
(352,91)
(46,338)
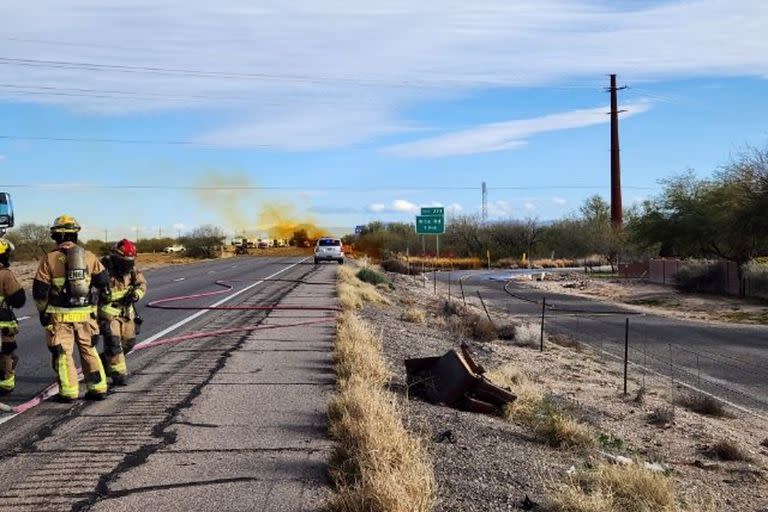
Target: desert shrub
(397,266)
(452,308)
(727,450)
(701,404)
(664,415)
(482,329)
(413,315)
(507,332)
(528,335)
(370,276)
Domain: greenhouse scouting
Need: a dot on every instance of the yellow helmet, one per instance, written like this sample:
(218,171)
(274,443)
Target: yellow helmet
(6,248)
(65,224)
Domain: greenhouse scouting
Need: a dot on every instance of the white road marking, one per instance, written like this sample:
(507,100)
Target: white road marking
(219,303)
(21,318)
(193,316)
(179,279)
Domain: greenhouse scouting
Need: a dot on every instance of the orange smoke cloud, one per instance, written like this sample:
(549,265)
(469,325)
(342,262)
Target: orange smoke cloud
(249,213)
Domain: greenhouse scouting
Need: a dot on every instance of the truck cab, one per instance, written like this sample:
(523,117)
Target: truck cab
(6,211)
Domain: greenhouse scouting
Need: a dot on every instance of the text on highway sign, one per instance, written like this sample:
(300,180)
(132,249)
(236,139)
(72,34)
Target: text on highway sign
(433,210)
(430,225)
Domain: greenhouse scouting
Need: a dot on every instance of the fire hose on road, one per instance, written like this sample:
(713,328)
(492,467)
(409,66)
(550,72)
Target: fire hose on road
(167,303)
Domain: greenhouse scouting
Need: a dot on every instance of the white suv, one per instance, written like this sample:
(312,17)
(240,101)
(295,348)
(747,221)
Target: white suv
(329,249)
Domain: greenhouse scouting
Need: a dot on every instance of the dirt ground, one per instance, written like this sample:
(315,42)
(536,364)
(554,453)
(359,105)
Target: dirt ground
(486,463)
(659,299)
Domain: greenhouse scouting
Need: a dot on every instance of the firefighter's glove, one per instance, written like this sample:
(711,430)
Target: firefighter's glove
(132,296)
(45,319)
(105,296)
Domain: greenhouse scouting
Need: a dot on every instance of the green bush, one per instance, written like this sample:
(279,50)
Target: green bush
(369,275)
(204,242)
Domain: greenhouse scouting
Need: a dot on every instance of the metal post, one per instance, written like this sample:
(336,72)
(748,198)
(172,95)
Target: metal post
(449,285)
(626,354)
(543,309)
(434,280)
(408,260)
(483,304)
(461,286)
(437,246)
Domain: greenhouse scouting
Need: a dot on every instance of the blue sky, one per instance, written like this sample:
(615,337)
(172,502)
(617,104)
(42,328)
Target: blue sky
(348,114)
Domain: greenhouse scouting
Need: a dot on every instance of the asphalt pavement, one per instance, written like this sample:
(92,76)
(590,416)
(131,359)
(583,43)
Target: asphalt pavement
(729,361)
(34,369)
(231,422)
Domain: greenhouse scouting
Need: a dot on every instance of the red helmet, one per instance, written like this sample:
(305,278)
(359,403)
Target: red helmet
(124,249)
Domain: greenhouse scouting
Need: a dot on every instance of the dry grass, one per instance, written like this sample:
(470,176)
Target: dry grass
(701,404)
(529,335)
(727,450)
(616,488)
(353,293)
(664,415)
(446,263)
(539,412)
(376,465)
(357,352)
(413,315)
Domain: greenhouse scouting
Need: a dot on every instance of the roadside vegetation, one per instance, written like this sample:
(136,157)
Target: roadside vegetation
(353,292)
(33,240)
(704,220)
(377,465)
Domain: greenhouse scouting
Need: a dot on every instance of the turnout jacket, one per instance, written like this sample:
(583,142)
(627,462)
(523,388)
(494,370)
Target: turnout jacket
(124,291)
(49,288)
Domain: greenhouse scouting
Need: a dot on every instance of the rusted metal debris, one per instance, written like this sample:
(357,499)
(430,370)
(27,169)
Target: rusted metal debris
(455,380)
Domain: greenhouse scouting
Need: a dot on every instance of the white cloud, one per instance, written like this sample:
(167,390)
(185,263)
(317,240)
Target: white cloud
(529,206)
(2,157)
(396,206)
(454,209)
(401,205)
(267,64)
(506,135)
(559,201)
(500,209)
(377,207)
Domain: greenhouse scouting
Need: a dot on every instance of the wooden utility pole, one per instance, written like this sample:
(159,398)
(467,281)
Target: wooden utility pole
(616,208)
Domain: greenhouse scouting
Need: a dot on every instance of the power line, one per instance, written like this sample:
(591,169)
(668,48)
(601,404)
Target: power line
(160,70)
(119,141)
(235,188)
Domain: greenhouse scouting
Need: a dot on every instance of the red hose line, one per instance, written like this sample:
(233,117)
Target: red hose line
(53,389)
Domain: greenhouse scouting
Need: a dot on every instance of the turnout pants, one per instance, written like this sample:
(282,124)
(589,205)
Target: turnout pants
(62,337)
(119,339)
(8,361)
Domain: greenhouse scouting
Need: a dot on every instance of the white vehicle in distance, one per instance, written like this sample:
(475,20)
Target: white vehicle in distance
(329,249)
(174,248)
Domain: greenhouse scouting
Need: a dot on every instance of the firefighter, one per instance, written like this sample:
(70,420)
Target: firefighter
(68,281)
(11,296)
(118,320)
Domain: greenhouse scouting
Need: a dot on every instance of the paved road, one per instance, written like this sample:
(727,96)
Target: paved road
(235,422)
(730,361)
(34,371)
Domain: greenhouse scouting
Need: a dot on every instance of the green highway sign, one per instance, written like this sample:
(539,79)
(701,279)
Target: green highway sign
(433,211)
(430,224)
